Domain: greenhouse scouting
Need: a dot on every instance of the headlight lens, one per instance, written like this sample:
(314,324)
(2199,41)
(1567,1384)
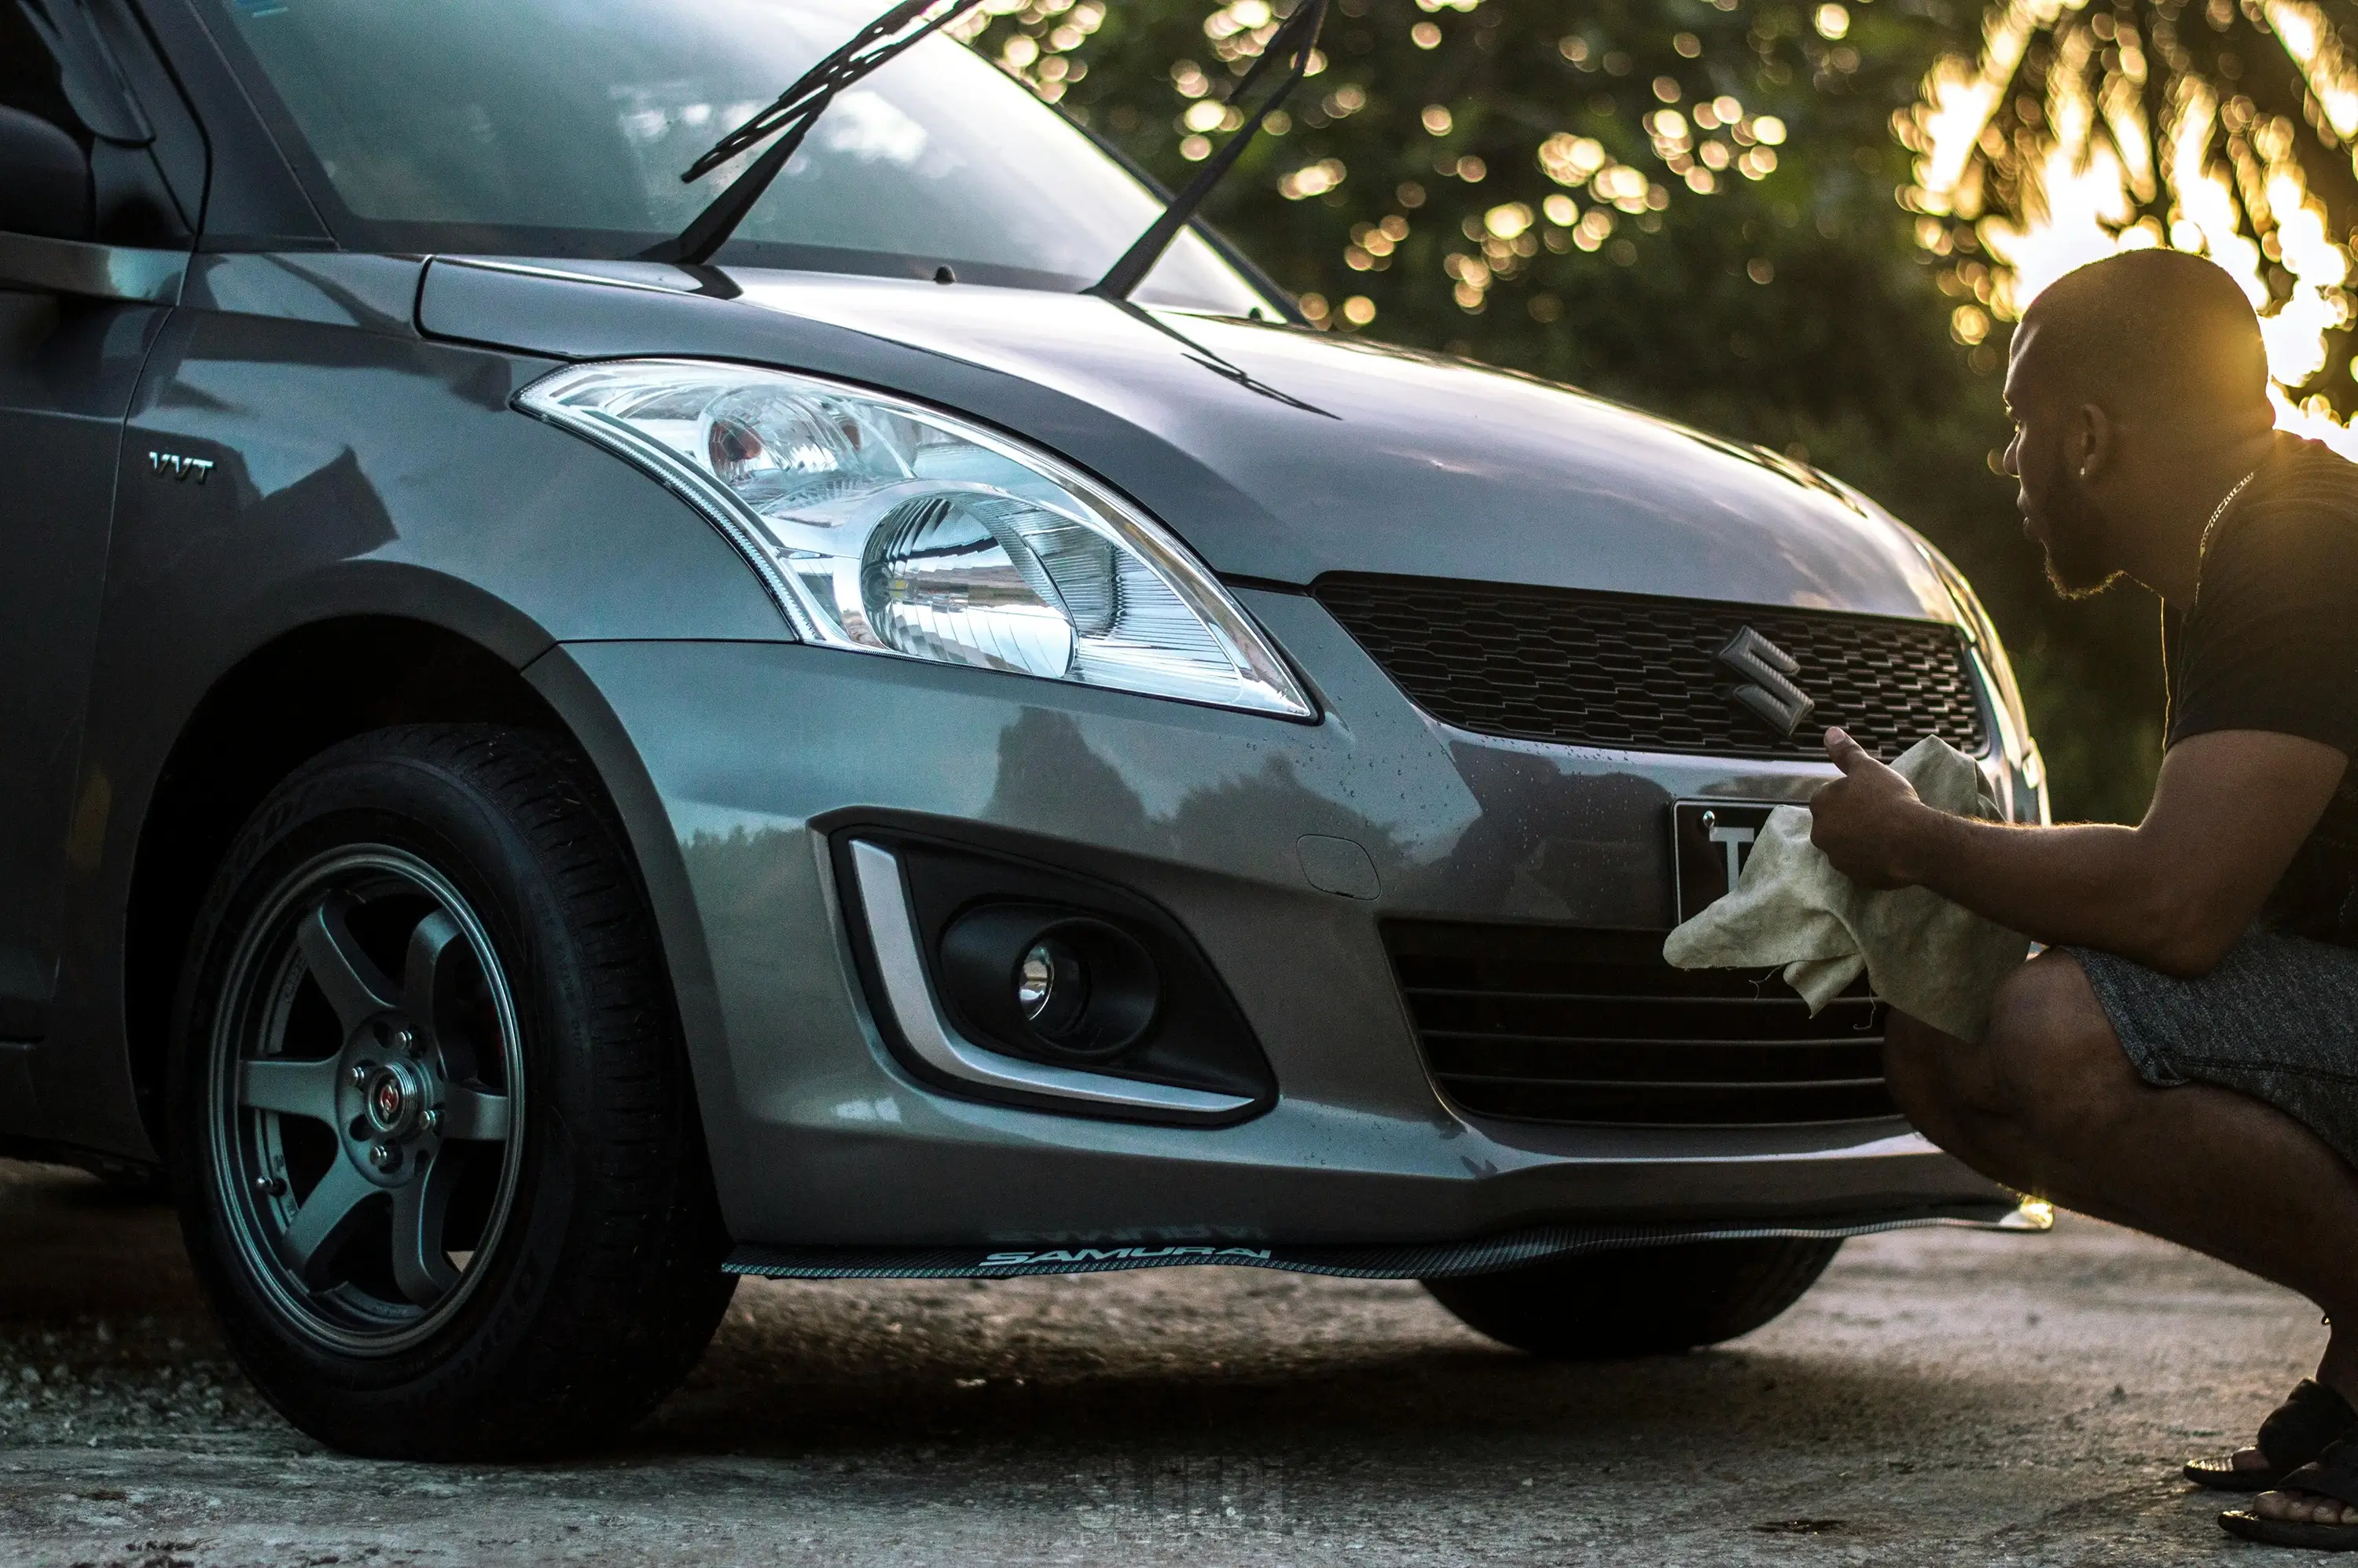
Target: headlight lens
(888,527)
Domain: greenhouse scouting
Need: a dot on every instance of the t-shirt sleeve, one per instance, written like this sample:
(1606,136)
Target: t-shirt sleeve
(2273,641)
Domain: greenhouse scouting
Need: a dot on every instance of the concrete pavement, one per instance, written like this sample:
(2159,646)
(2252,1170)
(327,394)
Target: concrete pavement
(1941,1397)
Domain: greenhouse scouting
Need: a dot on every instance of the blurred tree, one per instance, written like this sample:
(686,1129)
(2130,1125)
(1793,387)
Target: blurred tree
(2219,128)
(1685,204)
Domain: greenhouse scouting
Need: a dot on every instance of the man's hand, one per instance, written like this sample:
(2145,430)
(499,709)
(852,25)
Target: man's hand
(2175,893)
(1866,820)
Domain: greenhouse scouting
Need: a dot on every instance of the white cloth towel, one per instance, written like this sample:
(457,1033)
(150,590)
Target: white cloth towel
(1932,960)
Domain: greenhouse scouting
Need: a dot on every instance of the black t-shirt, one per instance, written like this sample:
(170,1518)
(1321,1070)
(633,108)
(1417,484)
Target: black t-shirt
(2271,642)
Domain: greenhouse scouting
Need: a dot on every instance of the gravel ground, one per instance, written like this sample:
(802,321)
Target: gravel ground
(1941,1397)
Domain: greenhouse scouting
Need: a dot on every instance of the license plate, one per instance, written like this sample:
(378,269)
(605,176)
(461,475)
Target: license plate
(1710,841)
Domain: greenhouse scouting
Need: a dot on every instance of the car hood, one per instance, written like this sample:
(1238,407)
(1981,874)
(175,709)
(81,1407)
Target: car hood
(1279,453)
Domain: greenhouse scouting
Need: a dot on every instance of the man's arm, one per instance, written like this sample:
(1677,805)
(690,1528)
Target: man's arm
(2175,893)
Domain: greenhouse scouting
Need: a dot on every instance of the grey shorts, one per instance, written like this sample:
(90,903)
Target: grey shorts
(2277,1020)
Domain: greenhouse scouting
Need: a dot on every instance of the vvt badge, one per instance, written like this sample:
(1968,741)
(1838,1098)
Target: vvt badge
(1770,695)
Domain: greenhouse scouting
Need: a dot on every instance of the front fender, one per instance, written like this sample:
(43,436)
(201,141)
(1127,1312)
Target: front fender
(357,471)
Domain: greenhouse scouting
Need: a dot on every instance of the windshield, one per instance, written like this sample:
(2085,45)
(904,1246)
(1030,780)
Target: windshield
(560,127)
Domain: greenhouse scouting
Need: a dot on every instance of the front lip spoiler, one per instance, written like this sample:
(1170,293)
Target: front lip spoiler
(1379,1260)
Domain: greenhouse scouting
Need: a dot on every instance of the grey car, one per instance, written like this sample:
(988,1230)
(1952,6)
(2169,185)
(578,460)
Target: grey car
(545,771)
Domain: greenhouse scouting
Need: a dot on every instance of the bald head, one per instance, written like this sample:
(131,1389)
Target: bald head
(2154,337)
(2138,389)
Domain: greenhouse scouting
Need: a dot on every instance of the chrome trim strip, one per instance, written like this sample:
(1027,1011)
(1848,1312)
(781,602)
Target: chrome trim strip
(103,272)
(893,934)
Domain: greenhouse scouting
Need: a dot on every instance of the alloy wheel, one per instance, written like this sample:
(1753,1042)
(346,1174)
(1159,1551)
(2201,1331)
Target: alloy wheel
(367,1098)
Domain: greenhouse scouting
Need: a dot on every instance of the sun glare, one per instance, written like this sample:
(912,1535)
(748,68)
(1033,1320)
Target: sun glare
(2029,163)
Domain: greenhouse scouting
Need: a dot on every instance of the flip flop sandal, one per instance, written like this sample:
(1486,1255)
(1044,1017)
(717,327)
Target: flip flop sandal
(2332,1474)
(2297,1432)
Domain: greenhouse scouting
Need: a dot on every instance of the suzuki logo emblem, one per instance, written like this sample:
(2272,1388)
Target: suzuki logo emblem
(180,468)
(1770,695)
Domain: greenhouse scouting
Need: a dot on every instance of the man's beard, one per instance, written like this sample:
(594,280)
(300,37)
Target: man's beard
(2074,538)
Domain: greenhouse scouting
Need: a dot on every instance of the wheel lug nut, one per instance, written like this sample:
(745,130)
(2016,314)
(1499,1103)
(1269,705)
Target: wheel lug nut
(360,1074)
(384,1156)
(404,1038)
(431,1121)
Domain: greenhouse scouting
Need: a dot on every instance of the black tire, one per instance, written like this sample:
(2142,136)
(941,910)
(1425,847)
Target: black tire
(1645,1300)
(517,1108)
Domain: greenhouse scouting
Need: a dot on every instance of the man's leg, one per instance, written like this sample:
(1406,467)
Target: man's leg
(2048,1104)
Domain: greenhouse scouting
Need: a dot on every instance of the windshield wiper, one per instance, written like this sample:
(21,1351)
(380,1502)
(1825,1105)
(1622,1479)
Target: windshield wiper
(793,112)
(1295,41)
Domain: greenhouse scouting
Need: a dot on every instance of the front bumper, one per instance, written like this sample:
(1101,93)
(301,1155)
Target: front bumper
(820,1138)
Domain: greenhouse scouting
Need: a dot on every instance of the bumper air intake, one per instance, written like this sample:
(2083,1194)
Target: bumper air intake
(1533,1024)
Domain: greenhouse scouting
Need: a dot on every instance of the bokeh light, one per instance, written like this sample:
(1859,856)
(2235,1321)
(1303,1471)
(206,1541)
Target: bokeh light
(1535,192)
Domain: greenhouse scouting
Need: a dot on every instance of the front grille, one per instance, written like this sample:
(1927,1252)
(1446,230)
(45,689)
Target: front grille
(1622,670)
(1562,1025)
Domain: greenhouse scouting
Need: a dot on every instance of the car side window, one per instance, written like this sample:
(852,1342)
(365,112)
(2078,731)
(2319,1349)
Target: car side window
(75,158)
(45,176)
(29,79)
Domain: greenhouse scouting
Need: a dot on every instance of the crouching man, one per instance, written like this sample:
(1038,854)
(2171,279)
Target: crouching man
(2183,1058)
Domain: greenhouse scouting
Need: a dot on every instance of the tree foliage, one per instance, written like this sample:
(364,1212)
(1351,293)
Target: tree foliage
(2218,128)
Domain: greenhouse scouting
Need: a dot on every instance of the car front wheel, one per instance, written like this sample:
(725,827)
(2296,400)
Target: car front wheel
(1645,1300)
(435,1147)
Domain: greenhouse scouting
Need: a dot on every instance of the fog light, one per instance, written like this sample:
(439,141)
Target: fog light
(971,961)
(1049,978)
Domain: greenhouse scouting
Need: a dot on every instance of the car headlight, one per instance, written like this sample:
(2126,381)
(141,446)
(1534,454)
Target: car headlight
(888,527)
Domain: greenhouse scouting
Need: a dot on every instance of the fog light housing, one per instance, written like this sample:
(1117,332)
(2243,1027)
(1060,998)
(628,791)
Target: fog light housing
(953,943)
(1075,985)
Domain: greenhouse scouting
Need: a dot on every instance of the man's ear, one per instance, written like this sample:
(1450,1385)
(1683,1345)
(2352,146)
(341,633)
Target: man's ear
(2094,442)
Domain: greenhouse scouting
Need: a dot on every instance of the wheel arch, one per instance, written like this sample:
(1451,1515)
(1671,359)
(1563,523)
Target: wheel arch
(295,696)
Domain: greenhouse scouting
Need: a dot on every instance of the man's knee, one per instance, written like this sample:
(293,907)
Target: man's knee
(1943,1084)
(1925,1071)
(2051,1065)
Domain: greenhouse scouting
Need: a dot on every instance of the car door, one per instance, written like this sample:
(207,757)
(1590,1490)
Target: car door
(85,282)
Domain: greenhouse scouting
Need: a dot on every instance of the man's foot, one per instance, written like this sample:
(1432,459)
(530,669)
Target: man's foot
(2295,1432)
(2314,1508)
(2305,1508)
(2244,1471)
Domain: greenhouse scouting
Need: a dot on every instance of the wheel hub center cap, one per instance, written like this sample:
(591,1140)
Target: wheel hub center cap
(394,1098)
